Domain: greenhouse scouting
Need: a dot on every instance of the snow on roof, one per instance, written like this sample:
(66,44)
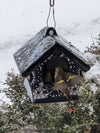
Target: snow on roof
(35,48)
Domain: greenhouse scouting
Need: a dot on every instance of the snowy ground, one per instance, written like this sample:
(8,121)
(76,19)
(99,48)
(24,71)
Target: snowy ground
(20,20)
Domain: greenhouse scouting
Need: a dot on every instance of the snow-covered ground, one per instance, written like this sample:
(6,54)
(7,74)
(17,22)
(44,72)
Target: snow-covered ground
(20,20)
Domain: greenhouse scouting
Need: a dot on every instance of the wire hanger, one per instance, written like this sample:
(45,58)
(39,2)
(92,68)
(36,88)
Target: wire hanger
(51,8)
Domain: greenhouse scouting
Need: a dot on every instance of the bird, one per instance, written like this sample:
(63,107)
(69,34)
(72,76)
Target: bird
(65,80)
(47,77)
(60,84)
(73,79)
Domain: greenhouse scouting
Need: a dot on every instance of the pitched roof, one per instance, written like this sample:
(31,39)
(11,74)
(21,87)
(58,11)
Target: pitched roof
(35,48)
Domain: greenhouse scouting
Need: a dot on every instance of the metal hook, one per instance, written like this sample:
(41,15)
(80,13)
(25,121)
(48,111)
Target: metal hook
(52,2)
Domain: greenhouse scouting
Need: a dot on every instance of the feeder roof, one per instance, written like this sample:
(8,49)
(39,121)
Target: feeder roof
(38,46)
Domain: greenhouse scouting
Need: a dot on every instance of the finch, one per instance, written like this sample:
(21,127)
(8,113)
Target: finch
(60,81)
(73,79)
(47,77)
(65,80)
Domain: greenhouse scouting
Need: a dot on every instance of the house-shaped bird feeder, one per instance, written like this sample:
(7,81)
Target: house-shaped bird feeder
(52,67)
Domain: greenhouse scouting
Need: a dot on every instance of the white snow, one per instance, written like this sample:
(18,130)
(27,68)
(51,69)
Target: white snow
(94,72)
(20,20)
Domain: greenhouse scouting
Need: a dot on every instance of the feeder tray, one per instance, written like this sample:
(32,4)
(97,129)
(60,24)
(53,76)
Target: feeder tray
(40,56)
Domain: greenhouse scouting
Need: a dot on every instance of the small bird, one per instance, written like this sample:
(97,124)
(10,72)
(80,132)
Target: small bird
(60,81)
(47,77)
(65,80)
(73,79)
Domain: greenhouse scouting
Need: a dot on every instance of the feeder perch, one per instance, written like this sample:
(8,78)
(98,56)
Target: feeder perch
(38,59)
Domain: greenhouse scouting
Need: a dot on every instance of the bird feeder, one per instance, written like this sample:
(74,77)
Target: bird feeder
(37,61)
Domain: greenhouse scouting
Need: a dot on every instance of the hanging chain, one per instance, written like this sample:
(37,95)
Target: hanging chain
(52,3)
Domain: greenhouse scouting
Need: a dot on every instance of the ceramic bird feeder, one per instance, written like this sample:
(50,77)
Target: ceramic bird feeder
(39,58)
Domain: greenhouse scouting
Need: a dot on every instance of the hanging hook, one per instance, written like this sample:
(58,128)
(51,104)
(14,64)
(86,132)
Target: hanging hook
(52,3)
